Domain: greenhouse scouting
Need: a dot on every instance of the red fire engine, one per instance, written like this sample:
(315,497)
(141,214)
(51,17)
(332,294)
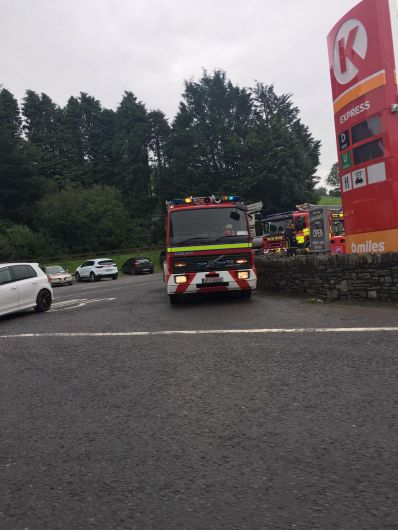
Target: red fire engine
(209,247)
(274,227)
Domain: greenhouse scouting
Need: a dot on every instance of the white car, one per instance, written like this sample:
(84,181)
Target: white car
(96,269)
(24,286)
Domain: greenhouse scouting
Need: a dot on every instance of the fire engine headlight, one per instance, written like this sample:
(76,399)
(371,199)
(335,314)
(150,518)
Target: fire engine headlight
(180,264)
(241,261)
(243,275)
(181,278)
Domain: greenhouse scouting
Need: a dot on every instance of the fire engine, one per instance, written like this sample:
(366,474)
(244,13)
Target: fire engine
(209,247)
(274,227)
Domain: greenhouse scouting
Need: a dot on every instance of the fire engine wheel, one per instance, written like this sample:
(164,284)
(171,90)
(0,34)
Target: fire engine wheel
(246,294)
(174,298)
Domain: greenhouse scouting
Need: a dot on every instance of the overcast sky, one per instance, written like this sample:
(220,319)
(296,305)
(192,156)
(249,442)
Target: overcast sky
(104,47)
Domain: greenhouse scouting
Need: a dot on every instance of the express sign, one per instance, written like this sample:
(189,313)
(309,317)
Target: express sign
(362,48)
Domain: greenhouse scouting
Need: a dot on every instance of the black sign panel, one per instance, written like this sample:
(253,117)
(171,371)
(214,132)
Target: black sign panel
(319,230)
(344,140)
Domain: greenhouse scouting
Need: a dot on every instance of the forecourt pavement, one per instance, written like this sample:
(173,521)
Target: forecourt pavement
(113,418)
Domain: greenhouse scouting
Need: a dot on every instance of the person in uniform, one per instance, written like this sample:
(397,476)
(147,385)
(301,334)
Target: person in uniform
(291,241)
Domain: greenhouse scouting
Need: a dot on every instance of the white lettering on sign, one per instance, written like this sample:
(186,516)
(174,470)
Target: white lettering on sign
(346,182)
(349,50)
(368,246)
(354,111)
(317,233)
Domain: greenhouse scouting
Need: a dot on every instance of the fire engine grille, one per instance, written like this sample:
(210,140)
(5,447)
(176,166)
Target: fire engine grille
(210,263)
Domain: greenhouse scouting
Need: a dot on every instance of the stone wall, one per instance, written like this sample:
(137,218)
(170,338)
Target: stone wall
(340,276)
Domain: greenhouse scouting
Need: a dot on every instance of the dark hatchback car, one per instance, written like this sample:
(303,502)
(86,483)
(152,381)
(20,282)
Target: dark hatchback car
(138,266)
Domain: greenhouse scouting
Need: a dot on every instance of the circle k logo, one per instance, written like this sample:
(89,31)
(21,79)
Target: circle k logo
(349,50)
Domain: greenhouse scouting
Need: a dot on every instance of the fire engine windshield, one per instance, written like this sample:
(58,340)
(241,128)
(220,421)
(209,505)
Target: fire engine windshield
(275,227)
(208,225)
(337,227)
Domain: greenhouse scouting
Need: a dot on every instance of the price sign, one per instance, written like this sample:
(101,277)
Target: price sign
(344,140)
(346,160)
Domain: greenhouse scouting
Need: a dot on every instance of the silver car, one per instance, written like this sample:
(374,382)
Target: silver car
(58,275)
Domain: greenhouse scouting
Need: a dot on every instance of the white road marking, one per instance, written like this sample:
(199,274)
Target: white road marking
(77,302)
(199,332)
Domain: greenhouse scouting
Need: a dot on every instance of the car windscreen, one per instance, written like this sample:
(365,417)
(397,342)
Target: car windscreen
(106,262)
(54,270)
(208,225)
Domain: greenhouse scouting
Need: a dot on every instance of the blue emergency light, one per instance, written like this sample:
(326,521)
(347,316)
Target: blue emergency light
(211,199)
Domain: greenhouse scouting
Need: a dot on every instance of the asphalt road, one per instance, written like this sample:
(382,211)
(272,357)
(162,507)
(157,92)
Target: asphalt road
(108,422)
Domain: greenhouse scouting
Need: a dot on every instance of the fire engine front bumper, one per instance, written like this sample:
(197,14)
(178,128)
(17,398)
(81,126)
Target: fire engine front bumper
(204,282)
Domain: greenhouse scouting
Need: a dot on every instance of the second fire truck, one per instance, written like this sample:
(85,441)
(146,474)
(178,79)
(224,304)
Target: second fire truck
(274,227)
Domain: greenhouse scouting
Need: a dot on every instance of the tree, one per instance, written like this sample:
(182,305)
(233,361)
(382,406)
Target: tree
(42,128)
(10,116)
(333,180)
(130,152)
(20,186)
(250,142)
(85,219)
(72,152)
(284,153)
(159,132)
(207,145)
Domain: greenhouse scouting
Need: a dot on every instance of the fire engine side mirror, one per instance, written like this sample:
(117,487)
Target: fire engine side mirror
(235,216)
(257,242)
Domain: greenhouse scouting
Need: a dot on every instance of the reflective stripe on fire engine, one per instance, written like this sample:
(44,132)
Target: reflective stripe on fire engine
(209,247)
(195,279)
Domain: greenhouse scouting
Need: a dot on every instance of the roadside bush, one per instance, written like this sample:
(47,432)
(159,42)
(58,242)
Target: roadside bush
(19,243)
(85,220)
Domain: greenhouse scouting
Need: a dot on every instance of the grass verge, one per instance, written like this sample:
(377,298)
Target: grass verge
(119,259)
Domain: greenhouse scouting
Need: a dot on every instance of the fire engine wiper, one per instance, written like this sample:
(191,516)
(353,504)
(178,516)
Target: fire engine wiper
(223,237)
(185,241)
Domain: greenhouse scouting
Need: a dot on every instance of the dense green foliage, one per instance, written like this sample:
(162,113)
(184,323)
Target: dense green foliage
(84,178)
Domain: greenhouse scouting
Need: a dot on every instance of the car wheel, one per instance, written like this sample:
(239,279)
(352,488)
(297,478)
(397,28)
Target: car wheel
(151,272)
(174,299)
(43,301)
(92,277)
(70,283)
(77,276)
(115,276)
